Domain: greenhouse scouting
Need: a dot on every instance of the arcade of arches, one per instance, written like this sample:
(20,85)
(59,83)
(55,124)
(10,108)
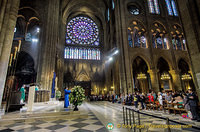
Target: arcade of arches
(106,46)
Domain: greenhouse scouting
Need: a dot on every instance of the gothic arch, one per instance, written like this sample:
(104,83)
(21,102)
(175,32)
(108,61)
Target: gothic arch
(73,9)
(143,58)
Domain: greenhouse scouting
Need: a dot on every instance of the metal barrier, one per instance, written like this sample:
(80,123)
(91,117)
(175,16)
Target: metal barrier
(131,121)
(128,120)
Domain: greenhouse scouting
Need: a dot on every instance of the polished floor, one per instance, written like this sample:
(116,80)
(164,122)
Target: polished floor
(93,117)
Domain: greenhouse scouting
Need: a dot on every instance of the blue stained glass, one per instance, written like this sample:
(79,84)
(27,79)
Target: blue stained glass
(108,14)
(93,54)
(159,42)
(71,53)
(98,54)
(156,7)
(169,8)
(143,41)
(84,54)
(75,53)
(130,41)
(89,54)
(66,53)
(80,53)
(151,6)
(113,4)
(174,43)
(174,8)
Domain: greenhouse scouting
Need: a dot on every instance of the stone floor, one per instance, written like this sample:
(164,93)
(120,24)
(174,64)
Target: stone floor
(99,114)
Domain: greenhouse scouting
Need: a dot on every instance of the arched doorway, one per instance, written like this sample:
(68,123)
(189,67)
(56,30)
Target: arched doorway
(163,75)
(25,72)
(186,78)
(141,78)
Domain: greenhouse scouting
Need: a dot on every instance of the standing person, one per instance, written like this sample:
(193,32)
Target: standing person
(160,100)
(22,90)
(67,92)
(193,103)
(143,99)
(136,99)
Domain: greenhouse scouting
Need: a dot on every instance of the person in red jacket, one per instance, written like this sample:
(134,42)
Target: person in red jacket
(151,98)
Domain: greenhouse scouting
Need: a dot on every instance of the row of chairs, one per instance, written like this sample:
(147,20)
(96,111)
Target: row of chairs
(171,107)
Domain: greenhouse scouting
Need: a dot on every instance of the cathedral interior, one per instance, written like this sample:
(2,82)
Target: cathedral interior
(111,48)
(106,46)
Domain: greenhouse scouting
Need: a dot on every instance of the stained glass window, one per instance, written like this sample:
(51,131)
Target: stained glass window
(151,6)
(82,30)
(82,53)
(136,38)
(113,4)
(108,14)
(171,7)
(154,6)
(178,43)
(159,42)
(174,8)
(130,41)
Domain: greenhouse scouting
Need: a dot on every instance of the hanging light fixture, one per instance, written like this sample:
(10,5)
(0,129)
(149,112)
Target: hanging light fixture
(165,76)
(186,77)
(141,76)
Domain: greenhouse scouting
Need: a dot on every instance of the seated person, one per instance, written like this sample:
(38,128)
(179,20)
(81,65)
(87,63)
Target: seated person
(179,100)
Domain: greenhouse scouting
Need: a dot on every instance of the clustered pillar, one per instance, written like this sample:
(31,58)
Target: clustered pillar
(49,42)
(8,18)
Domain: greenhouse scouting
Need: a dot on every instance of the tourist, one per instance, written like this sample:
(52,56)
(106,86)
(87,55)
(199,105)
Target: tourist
(192,101)
(168,98)
(179,100)
(160,99)
(185,102)
(142,100)
(154,95)
(136,99)
(151,98)
(67,92)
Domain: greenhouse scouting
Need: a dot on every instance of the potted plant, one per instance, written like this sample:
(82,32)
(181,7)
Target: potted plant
(77,96)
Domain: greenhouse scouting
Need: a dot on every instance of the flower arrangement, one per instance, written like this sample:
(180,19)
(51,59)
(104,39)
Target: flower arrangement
(77,96)
(58,94)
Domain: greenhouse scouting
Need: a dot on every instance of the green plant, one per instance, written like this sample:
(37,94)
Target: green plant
(77,95)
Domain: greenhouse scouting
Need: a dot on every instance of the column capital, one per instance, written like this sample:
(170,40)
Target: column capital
(174,71)
(151,71)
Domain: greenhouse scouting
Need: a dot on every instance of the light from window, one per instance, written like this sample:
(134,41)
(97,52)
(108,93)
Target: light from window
(154,6)
(171,7)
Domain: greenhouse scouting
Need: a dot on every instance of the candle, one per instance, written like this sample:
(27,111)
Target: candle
(15,53)
(11,57)
(19,45)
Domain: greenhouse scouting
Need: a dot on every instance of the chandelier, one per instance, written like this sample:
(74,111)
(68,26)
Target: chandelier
(141,76)
(165,76)
(186,77)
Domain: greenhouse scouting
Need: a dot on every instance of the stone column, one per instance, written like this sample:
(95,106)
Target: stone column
(154,79)
(189,19)
(176,80)
(6,39)
(49,42)
(2,12)
(120,43)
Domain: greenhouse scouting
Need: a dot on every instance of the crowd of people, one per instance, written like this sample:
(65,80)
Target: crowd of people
(188,100)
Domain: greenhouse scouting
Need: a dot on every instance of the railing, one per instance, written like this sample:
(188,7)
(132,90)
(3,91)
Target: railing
(129,116)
